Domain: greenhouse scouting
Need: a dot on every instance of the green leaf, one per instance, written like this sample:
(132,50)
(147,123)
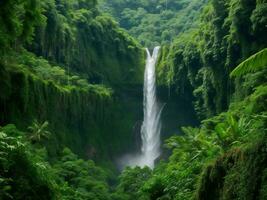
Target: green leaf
(252,64)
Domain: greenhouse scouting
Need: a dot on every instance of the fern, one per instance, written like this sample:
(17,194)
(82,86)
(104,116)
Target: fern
(252,64)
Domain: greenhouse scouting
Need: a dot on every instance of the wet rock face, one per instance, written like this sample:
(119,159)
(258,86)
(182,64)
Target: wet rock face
(137,141)
(178,112)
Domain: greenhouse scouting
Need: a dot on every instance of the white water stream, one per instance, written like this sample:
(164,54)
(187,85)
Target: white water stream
(150,131)
(151,126)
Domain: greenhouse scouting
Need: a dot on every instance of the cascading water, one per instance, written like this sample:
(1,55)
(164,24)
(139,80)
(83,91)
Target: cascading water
(150,131)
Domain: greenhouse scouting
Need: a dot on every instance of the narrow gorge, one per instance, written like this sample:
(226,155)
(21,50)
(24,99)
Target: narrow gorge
(87,112)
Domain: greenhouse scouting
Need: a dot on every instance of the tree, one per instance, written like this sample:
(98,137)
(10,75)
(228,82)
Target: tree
(38,131)
(131,182)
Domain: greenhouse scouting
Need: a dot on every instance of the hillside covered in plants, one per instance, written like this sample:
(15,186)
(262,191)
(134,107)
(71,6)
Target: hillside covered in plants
(154,22)
(72,74)
(66,63)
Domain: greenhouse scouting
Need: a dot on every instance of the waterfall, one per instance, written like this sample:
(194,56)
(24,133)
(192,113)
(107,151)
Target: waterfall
(151,126)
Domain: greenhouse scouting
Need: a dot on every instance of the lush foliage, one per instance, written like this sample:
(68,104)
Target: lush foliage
(27,174)
(88,42)
(64,61)
(154,22)
(197,65)
(225,158)
(23,173)
(16,29)
(252,64)
(70,80)
(73,34)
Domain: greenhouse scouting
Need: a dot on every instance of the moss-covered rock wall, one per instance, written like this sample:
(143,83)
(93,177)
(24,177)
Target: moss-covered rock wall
(239,174)
(65,62)
(94,125)
(198,63)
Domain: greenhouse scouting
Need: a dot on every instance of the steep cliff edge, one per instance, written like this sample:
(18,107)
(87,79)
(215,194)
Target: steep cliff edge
(65,63)
(198,63)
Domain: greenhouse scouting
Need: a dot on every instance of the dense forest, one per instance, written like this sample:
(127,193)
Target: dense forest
(154,22)
(71,99)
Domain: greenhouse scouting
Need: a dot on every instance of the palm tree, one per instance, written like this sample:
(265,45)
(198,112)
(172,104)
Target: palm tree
(38,131)
(194,143)
(252,64)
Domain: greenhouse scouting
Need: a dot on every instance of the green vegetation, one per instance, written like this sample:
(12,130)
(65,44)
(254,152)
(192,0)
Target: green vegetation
(70,98)
(205,163)
(64,62)
(224,158)
(27,174)
(198,63)
(38,131)
(155,22)
(252,64)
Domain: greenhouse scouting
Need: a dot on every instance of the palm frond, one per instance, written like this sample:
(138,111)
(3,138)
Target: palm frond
(252,64)
(38,131)
(44,125)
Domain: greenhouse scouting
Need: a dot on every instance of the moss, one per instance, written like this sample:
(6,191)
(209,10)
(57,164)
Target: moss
(239,174)
(91,122)
(198,63)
